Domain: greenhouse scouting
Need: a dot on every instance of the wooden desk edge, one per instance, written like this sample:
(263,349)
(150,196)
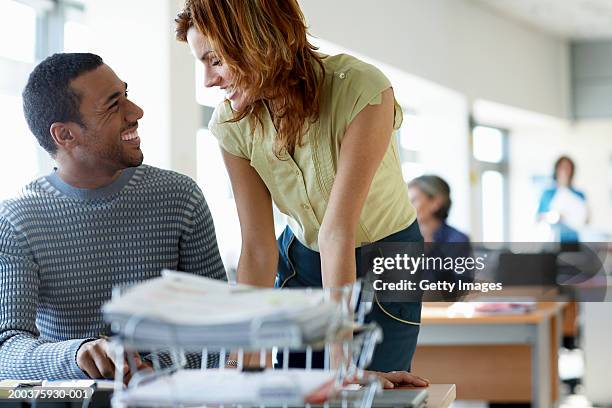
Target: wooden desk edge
(439,395)
(544,311)
(449,397)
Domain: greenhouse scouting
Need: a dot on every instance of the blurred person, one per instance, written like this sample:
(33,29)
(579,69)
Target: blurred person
(313,134)
(430,195)
(563,207)
(100,220)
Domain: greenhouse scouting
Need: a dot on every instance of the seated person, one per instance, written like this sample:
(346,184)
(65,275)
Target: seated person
(430,195)
(100,220)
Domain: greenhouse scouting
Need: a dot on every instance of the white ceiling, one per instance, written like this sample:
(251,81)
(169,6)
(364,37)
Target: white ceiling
(571,19)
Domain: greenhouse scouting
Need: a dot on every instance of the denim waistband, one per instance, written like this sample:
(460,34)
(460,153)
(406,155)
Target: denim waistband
(300,266)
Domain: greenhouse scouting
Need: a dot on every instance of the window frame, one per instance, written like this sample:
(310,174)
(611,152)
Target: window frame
(477,169)
(50,18)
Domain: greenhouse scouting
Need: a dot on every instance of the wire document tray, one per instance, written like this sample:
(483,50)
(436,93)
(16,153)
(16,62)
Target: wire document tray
(252,356)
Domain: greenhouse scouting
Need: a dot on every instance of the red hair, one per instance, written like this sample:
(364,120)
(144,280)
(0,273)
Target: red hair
(264,44)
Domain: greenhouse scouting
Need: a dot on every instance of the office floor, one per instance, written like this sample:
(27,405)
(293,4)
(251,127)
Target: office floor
(571,366)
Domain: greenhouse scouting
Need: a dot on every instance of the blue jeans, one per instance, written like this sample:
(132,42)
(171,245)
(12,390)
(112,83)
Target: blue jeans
(299,266)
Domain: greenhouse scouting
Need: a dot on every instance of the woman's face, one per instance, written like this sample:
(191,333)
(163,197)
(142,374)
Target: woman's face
(425,205)
(215,72)
(564,173)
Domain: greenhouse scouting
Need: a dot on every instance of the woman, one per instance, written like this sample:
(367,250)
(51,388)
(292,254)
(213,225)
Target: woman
(430,195)
(564,207)
(313,134)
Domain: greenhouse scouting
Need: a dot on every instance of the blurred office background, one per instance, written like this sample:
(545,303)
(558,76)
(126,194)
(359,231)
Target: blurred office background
(493,92)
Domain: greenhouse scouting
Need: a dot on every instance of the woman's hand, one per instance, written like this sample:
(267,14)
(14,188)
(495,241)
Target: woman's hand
(398,379)
(389,381)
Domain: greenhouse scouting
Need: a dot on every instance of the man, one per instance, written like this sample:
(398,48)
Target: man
(100,220)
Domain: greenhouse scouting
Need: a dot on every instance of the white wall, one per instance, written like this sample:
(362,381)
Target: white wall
(589,143)
(136,39)
(454,43)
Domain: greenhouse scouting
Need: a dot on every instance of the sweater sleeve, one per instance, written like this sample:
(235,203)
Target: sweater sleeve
(23,354)
(198,251)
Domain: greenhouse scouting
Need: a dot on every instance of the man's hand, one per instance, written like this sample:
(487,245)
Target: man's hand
(96,360)
(399,379)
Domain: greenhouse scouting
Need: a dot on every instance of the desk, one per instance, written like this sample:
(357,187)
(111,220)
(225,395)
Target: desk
(438,395)
(441,395)
(495,358)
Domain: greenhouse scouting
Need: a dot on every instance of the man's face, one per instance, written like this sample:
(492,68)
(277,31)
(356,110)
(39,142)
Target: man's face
(109,137)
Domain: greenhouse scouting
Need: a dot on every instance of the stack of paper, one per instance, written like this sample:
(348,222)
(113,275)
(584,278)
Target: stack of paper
(505,307)
(197,387)
(189,311)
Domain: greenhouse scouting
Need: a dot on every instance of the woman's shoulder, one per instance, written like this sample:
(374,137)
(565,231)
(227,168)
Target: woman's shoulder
(345,62)
(548,193)
(578,193)
(447,233)
(351,84)
(353,71)
(233,136)
(221,115)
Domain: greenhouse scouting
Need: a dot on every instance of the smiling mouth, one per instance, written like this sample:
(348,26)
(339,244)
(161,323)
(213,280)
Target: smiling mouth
(131,136)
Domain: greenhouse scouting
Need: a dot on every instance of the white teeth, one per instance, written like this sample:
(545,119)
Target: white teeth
(130,136)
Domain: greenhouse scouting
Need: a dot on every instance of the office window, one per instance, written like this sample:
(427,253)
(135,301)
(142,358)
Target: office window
(18,31)
(411,139)
(490,183)
(76,37)
(18,49)
(487,144)
(30,31)
(211,169)
(214,181)
(18,157)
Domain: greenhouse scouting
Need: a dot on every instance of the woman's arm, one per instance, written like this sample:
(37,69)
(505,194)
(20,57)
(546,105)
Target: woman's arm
(363,147)
(259,255)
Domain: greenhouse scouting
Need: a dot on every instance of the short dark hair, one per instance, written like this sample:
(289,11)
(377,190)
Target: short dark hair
(435,186)
(48,98)
(571,163)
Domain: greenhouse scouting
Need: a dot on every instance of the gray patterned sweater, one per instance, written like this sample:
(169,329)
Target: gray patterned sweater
(63,249)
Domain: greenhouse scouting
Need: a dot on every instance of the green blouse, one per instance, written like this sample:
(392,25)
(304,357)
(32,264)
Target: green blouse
(300,185)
